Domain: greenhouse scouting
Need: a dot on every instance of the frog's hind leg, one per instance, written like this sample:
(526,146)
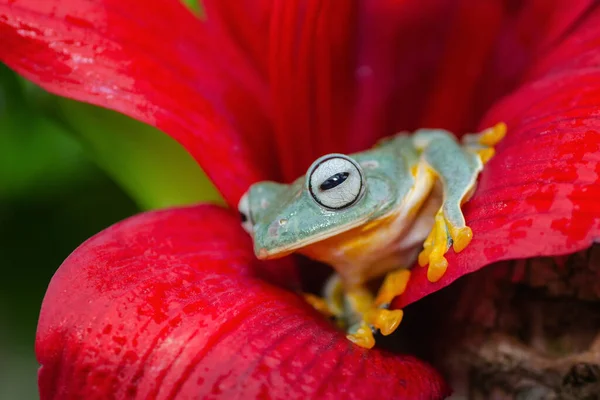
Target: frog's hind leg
(457,168)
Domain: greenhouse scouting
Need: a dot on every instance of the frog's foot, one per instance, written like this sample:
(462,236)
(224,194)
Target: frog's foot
(361,334)
(437,244)
(374,314)
(380,316)
(386,321)
(483,143)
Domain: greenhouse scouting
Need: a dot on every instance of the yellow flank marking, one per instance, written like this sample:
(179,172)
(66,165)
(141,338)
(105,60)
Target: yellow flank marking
(461,237)
(363,336)
(385,320)
(414,169)
(394,285)
(318,304)
(491,136)
(486,154)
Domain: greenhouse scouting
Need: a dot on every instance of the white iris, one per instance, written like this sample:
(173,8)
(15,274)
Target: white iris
(336,181)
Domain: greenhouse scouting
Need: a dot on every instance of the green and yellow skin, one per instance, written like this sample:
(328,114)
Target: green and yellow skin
(372,215)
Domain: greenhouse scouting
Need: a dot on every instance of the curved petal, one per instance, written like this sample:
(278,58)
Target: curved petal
(443,63)
(155,62)
(539,194)
(262,89)
(168,303)
(246,26)
(343,76)
(311,74)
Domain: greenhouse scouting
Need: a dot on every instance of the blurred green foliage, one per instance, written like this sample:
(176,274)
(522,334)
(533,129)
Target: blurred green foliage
(150,166)
(195,6)
(52,197)
(29,145)
(67,171)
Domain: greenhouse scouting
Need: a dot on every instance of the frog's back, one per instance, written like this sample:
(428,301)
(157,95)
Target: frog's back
(394,159)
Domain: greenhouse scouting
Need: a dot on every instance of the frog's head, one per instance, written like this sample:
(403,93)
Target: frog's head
(335,196)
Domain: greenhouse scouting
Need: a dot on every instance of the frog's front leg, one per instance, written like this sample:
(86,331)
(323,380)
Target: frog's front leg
(351,308)
(457,168)
(365,318)
(366,314)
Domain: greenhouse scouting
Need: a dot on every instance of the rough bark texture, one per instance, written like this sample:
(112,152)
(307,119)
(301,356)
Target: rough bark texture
(530,329)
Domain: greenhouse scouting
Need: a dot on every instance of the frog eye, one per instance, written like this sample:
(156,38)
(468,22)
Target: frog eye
(245,217)
(335,181)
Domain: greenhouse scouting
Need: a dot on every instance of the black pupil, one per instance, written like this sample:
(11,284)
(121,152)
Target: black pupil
(243,217)
(334,180)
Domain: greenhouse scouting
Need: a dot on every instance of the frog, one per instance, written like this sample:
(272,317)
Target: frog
(372,216)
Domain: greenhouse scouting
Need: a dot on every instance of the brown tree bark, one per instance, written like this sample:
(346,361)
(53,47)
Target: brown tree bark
(527,329)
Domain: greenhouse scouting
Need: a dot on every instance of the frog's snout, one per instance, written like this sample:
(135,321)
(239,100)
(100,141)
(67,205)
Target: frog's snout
(268,239)
(277,231)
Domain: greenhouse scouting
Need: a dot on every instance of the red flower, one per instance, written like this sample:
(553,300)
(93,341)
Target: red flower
(173,303)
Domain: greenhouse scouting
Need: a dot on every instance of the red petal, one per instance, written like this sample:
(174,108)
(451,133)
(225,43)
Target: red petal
(444,63)
(262,89)
(246,26)
(539,194)
(155,62)
(168,303)
(312,79)
(343,76)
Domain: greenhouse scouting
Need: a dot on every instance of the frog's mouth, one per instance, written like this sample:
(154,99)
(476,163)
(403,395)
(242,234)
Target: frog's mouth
(264,253)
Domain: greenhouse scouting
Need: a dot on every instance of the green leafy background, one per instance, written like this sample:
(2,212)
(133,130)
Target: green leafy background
(67,171)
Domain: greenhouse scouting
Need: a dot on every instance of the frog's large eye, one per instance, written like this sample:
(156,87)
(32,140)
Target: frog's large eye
(335,181)
(245,217)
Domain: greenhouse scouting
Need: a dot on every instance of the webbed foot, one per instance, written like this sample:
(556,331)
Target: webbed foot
(361,334)
(438,243)
(375,314)
(385,320)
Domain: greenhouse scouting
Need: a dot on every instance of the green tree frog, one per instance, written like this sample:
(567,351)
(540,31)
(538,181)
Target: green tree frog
(371,215)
